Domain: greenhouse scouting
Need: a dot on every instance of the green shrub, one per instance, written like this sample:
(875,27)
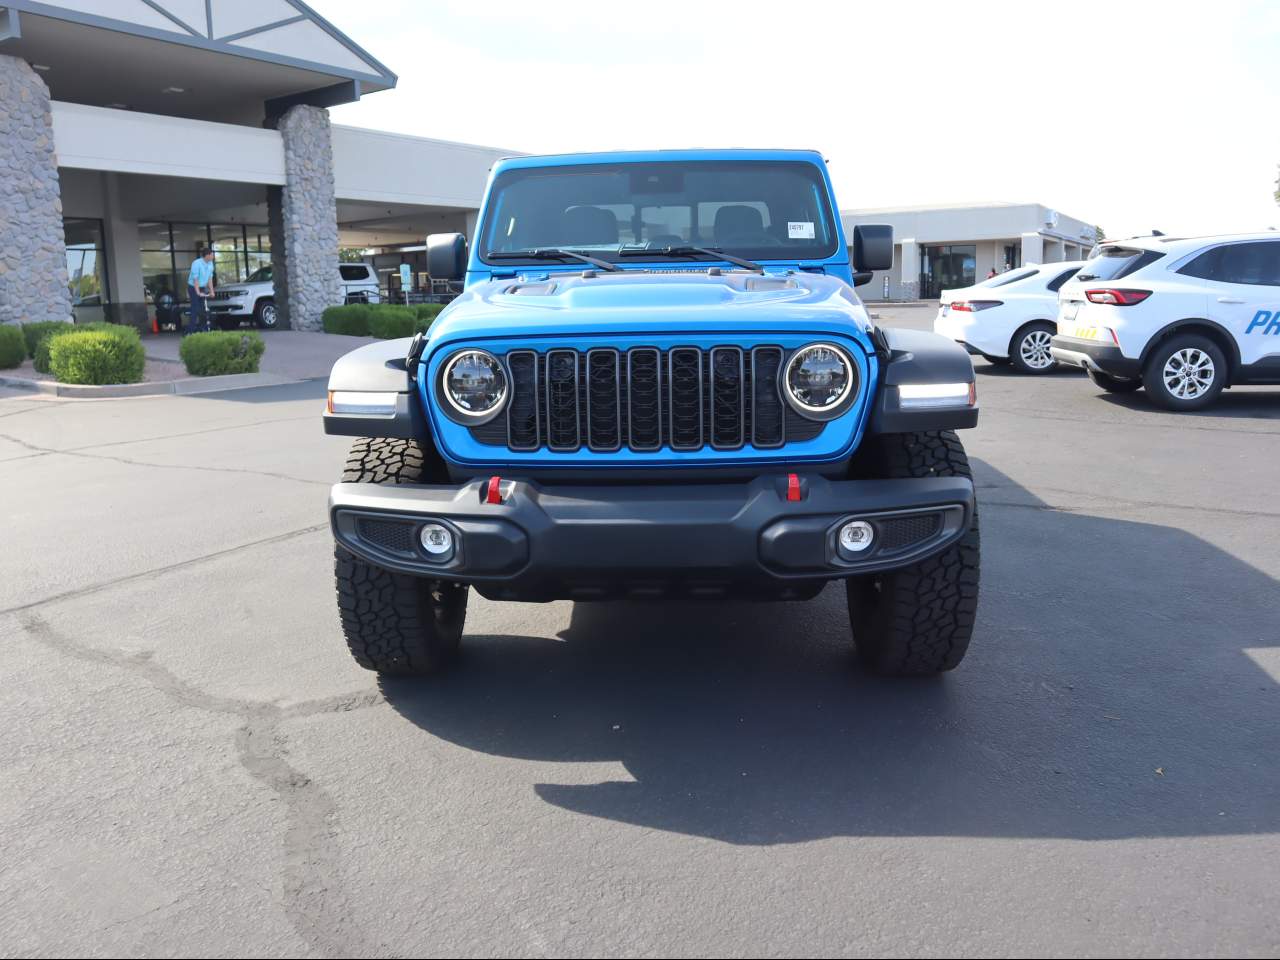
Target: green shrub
(13,348)
(218,352)
(40,356)
(97,356)
(351,319)
(35,332)
(427,313)
(388,322)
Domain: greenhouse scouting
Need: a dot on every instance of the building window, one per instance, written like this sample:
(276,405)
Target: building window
(167,249)
(947,267)
(86,267)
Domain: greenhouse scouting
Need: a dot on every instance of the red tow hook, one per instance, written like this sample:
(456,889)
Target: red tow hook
(494,492)
(793,487)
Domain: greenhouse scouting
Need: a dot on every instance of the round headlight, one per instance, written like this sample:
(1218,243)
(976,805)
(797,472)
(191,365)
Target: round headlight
(474,384)
(818,379)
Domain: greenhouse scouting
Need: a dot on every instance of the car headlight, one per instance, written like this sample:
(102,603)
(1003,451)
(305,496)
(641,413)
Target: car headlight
(474,385)
(818,381)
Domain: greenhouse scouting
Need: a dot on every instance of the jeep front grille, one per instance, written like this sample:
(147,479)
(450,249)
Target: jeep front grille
(686,398)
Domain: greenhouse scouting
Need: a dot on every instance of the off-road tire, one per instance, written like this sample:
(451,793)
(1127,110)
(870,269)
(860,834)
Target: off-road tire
(916,620)
(1112,384)
(394,623)
(1154,373)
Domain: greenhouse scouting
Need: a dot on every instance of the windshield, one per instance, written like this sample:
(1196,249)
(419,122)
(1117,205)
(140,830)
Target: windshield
(760,210)
(261,275)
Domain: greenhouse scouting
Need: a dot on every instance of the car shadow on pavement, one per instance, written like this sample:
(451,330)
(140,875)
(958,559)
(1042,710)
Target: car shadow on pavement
(1117,686)
(1254,403)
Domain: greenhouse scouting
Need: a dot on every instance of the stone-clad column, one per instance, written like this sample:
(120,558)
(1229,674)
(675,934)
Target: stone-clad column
(304,221)
(33,253)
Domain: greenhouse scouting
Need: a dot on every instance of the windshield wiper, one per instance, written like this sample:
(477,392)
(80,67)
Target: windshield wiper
(550,253)
(715,253)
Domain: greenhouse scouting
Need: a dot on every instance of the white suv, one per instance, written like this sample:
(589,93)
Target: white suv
(255,298)
(1183,318)
(1008,318)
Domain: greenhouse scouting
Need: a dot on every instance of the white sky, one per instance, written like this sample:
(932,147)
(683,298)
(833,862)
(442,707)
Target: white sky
(1125,114)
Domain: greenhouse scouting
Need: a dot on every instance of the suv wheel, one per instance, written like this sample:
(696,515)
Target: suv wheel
(265,314)
(1112,384)
(1185,372)
(1029,349)
(917,620)
(396,624)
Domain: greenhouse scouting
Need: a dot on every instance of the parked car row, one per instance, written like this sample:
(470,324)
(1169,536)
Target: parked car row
(1181,318)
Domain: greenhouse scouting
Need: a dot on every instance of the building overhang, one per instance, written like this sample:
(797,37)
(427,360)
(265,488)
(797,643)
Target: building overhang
(232,63)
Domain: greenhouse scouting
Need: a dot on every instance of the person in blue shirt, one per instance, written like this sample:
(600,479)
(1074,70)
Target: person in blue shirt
(200,290)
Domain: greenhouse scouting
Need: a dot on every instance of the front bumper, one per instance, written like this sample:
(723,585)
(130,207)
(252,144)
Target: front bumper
(598,542)
(235,308)
(1093,354)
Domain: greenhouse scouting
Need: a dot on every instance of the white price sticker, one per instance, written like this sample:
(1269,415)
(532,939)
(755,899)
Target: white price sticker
(800,230)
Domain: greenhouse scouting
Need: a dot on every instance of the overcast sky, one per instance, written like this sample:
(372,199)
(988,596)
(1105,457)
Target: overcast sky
(1130,115)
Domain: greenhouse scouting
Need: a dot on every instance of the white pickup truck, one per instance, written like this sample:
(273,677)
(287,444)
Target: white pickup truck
(254,299)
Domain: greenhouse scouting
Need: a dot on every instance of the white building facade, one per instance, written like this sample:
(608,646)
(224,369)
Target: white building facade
(946,247)
(134,132)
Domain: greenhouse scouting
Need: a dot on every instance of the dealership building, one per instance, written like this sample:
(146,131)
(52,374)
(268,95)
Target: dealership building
(943,248)
(133,132)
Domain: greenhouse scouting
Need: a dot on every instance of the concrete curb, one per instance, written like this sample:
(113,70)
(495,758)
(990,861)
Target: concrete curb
(195,385)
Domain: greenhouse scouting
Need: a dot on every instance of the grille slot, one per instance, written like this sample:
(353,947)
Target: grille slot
(523,416)
(604,400)
(563,424)
(728,399)
(766,403)
(686,398)
(644,398)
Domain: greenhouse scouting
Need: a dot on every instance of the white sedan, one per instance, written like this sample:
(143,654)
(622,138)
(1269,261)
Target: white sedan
(1009,318)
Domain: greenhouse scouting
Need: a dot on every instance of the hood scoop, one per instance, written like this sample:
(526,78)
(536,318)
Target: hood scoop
(542,288)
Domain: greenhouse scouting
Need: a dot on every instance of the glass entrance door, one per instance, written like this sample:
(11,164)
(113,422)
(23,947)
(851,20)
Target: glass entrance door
(946,267)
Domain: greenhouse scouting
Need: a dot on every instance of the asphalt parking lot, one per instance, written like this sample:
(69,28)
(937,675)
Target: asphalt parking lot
(192,764)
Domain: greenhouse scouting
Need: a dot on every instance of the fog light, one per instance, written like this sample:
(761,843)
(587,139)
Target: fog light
(856,536)
(436,540)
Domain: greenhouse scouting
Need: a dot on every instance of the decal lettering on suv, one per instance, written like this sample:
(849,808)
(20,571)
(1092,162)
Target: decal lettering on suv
(1267,319)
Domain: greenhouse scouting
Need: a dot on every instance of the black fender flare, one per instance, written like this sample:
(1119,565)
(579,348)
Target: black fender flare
(919,356)
(376,368)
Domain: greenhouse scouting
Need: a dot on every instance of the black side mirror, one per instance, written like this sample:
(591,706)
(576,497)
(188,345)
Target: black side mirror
(862,278)
(872,247)
(446,256)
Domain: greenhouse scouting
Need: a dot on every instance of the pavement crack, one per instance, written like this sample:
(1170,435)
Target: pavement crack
(313,872)
(167,568)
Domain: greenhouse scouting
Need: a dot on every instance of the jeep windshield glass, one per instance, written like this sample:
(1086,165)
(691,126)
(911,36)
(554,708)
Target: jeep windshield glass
(710,253)
(758,210)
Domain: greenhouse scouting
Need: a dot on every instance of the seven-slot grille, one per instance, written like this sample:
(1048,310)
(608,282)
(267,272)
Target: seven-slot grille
(685,398)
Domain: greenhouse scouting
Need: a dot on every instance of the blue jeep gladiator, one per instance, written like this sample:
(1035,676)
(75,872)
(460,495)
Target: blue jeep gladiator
(658,382)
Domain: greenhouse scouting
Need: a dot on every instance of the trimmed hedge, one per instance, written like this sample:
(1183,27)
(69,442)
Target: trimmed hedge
(37,331)
(387,321)
(219,352)
(13,348)
(97,356)
(40,356)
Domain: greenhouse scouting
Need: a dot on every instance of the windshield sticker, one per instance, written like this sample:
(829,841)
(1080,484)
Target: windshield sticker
(800,230)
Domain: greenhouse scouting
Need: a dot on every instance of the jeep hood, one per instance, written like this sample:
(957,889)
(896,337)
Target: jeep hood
(635,301)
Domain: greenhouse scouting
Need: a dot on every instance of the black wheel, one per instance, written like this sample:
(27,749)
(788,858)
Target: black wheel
(1112,384)
(1185,372)
(1029,348)
(265,314)
(396,624)
(917,620)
